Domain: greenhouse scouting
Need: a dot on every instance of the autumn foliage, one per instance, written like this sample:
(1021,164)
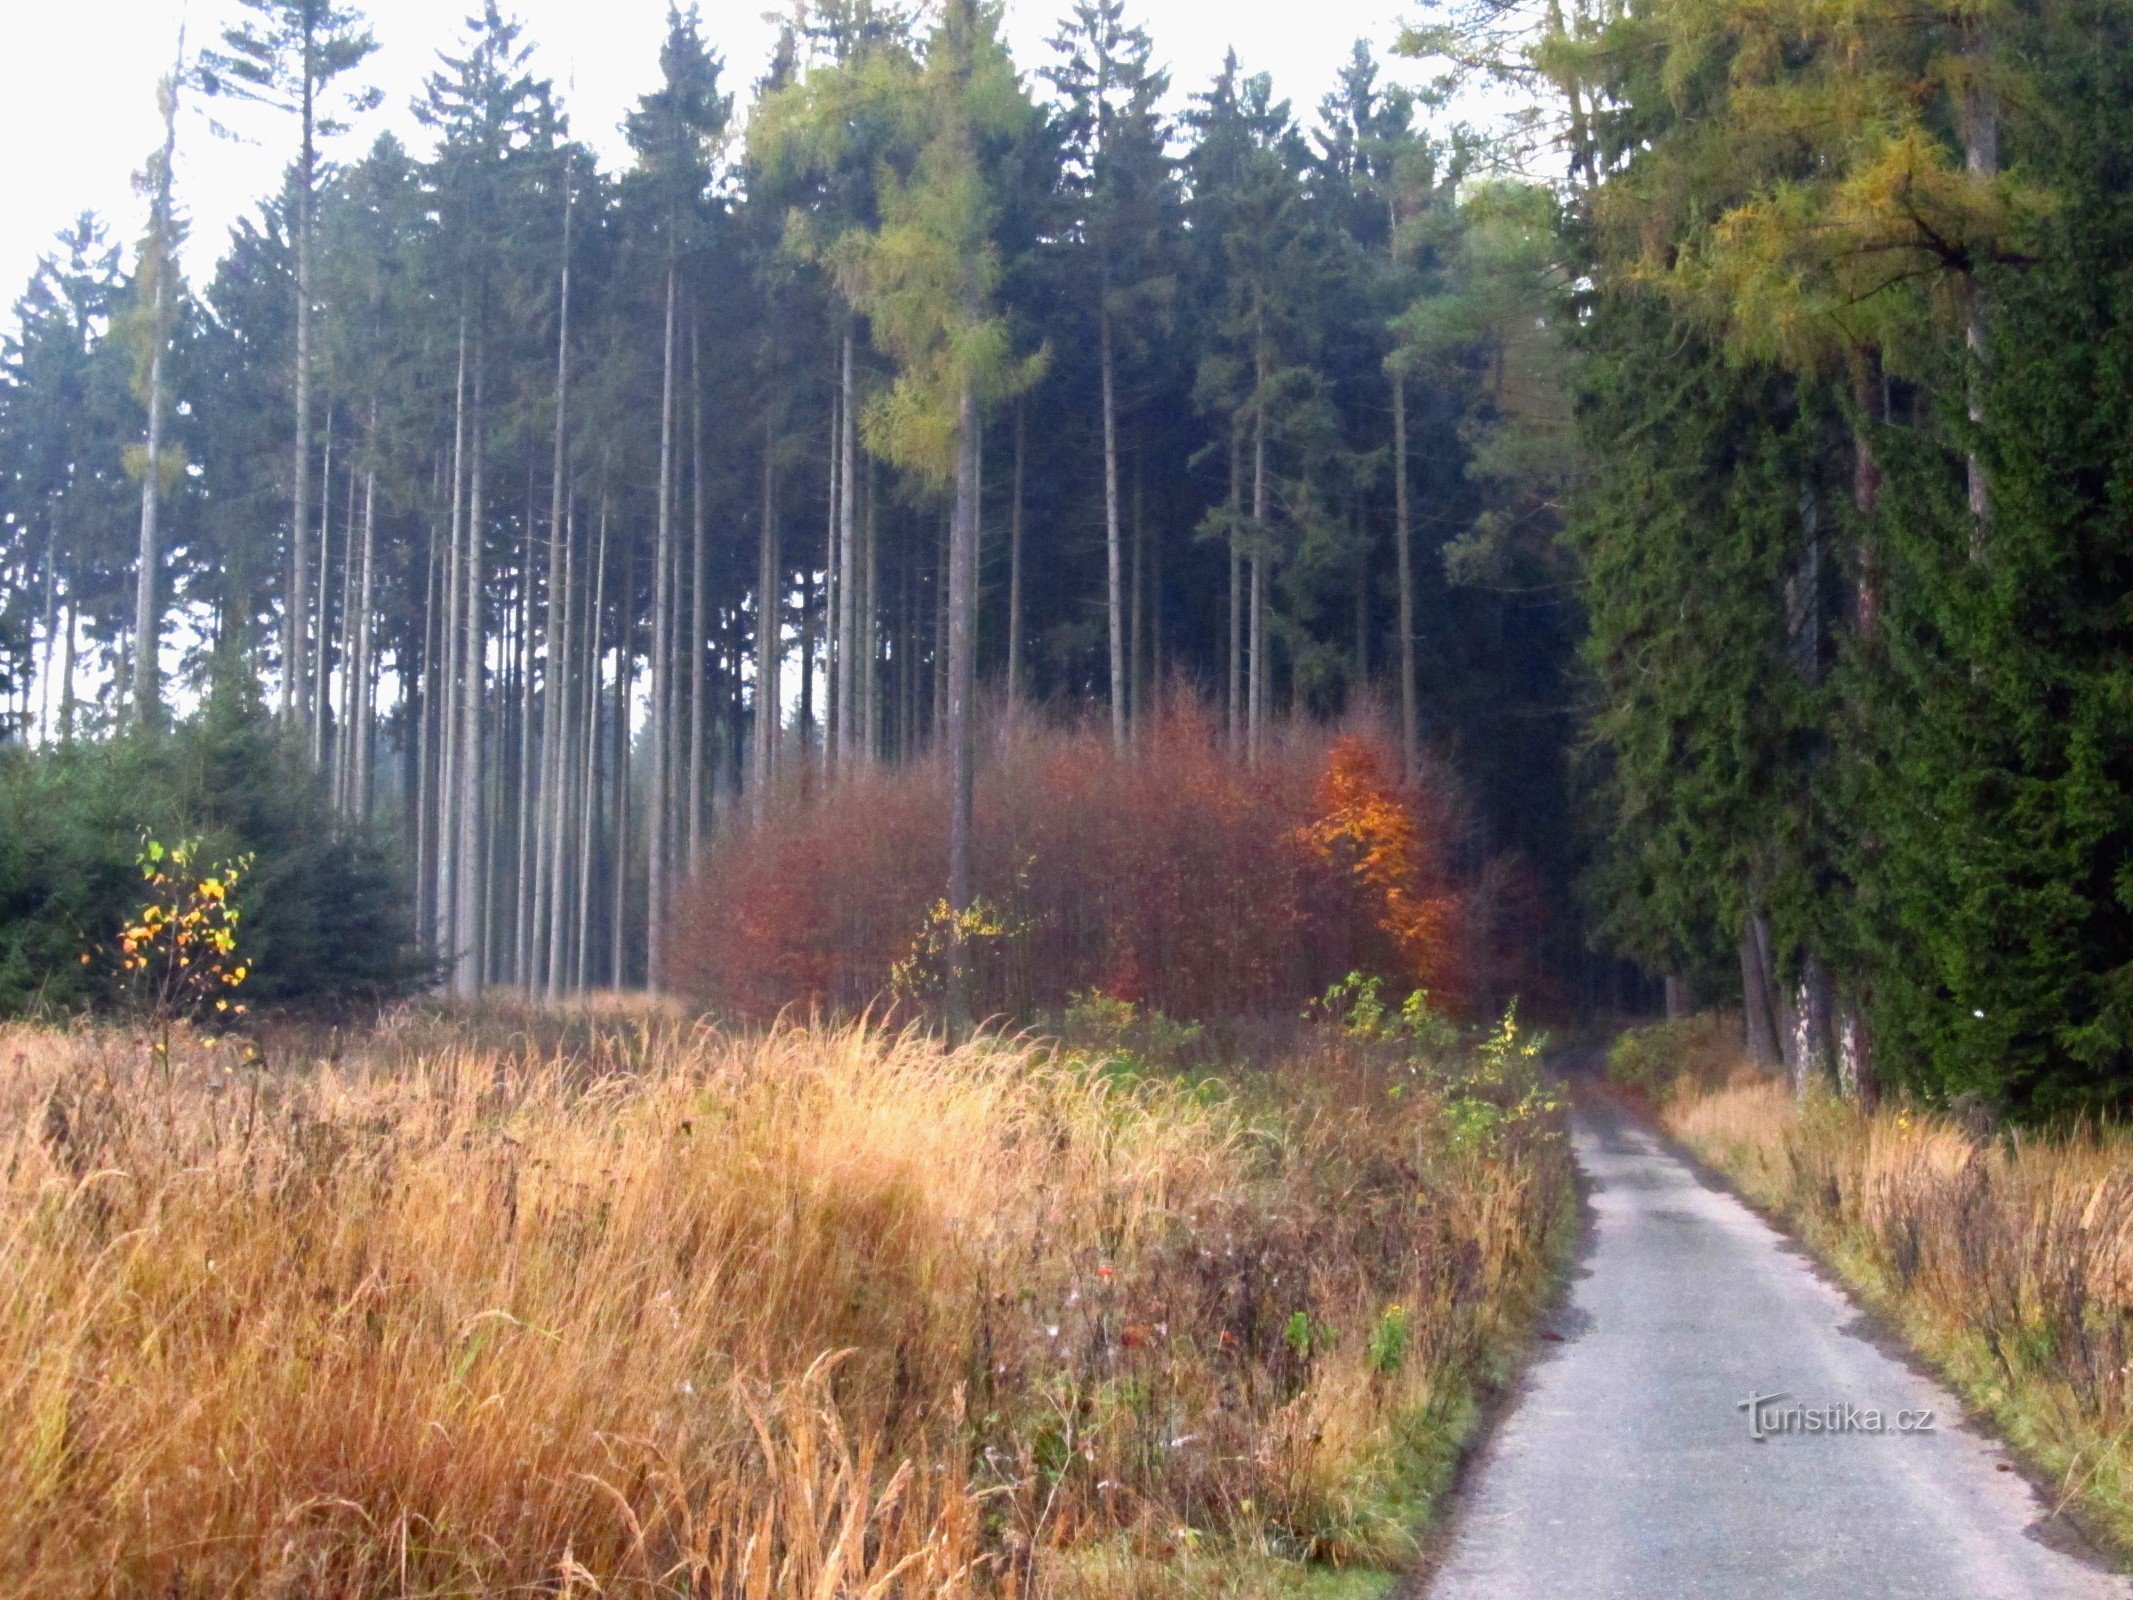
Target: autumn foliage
(1173,873)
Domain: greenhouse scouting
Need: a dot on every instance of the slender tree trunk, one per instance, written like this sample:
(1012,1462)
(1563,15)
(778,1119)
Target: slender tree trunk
(1257,703)
(941,597)
(625,676)
(161,264)
(699,597)
(870,624)
(343,655)
(315,674)
(470,957)
(1157,681)
(561,774)
(962,685)
(147,611)
(589,842)
(66,688)
(847,628)
(1136,612)
(1014,568)
(1113,544)
(769,646)
(1404,539)
(832,559)
(296,614)
(452,649)
(361,714)
(1236,587)
(48,630)
(808,636)
(657,820)
(556,634)
(524,857)
(425,732)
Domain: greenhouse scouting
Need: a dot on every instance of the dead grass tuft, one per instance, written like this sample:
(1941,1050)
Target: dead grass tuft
(611,1304)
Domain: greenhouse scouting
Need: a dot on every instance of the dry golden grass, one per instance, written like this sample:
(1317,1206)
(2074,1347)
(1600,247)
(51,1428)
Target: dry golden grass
(2007,1260)
(604,1303)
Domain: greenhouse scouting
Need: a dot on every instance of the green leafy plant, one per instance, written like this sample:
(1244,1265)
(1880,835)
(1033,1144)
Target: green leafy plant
(1389,1340)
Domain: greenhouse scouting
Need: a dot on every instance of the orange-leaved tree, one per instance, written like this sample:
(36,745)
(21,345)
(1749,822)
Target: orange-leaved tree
(1368,825)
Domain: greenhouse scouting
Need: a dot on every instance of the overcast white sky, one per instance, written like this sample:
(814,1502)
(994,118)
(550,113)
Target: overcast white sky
(77,80)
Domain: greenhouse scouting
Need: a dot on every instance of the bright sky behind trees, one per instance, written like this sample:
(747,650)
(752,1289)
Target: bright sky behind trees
(77,87)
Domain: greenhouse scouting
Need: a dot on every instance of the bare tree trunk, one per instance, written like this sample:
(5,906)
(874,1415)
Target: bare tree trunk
(450,757)
(832,559)
(769,646)
(147,613)
(66,689)
(847,628)
(162,246)
(808,636)
(1014,567)
(1404,540)
(625,675)
(657,820)
(343,656)
(296,613)
(426,754)
(548,895)
(362,712)
(48,630)
(1156,678)
(524,857)
(1758,992)
(1113,544)
(589,840)
(1257,697)
(870,624)
(699,585)
(1134,629)
(470,957)
(941,623)
(962,686)
(1236,587)
(557,783)
(315,674)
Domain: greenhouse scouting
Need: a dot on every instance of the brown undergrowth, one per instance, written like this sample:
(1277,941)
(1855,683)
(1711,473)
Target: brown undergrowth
(610,1303)
(2003,1256)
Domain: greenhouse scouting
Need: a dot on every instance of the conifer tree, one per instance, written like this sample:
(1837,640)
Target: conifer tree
(287,55)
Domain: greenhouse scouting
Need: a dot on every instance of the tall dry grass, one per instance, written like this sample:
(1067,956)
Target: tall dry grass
(2007,1258)
(624,1306)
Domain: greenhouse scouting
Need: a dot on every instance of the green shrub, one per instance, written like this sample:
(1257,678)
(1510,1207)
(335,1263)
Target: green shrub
(1704,1049)
(327,920)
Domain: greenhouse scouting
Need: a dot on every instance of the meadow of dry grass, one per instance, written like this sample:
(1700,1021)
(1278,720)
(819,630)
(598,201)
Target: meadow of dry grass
(615,1304)
(2005,1257)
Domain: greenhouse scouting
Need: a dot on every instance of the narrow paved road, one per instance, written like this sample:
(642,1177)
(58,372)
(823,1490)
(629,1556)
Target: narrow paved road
(1627,1470)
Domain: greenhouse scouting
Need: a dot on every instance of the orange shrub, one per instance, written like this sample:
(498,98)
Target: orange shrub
(1173,874)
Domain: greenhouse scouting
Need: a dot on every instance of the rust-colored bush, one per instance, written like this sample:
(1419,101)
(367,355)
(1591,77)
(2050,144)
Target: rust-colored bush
(1174,874)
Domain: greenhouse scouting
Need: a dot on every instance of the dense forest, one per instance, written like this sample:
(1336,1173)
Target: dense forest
(1720,464)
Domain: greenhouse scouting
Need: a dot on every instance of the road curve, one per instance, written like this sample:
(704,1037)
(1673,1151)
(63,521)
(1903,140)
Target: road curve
(1627,1470)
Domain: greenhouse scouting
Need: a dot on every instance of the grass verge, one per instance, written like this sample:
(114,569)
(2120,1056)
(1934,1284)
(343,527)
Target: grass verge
(612,1304)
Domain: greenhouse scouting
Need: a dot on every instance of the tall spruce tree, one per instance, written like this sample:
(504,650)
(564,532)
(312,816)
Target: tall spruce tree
(287,55)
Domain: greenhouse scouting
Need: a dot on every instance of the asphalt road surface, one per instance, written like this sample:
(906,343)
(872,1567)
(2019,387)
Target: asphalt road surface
(1628,1469)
